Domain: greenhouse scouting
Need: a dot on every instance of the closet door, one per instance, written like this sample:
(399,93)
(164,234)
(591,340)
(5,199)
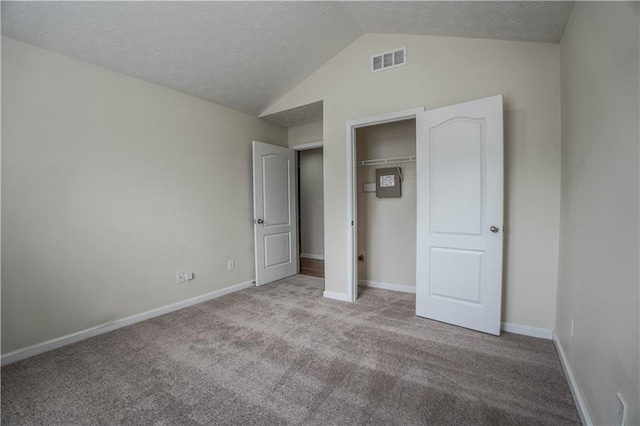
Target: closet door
(460,214)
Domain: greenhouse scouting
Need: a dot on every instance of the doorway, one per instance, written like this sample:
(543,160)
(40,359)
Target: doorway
(352,190)
(310,210)
(288,209)
(386,215)
(460,199)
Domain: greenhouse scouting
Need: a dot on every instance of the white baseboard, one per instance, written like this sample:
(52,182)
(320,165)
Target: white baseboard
(336,296)
(387,286)
(312,256)
(575,391)
(527,330)
(49,345)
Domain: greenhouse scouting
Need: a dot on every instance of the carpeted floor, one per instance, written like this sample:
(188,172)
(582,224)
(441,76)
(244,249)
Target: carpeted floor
(283,354)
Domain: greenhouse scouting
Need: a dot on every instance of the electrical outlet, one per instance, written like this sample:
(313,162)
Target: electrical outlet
(621,408)
(231,265)
(188,275)
(179,277)
(572,327)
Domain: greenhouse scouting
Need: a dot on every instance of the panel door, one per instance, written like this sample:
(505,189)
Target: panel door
(460,214)
(274,204)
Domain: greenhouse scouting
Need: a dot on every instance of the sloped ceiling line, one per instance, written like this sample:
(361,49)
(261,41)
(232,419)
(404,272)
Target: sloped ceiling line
(247,55)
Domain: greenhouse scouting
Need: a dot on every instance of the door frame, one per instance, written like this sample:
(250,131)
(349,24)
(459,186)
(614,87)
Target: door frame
(306,146)
(352,192)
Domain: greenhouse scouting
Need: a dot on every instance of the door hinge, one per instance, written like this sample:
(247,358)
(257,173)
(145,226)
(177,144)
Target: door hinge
(351,223)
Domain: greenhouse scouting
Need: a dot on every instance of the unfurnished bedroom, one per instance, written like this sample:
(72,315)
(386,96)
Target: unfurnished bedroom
(329,213)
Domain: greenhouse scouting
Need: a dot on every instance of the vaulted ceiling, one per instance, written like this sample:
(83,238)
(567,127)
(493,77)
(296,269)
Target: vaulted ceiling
(246,55)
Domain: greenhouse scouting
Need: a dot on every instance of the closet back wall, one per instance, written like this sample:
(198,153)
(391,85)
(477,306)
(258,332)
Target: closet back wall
(387,226)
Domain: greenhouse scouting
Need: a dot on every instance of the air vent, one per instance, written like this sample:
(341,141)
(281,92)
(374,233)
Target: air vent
(386,60)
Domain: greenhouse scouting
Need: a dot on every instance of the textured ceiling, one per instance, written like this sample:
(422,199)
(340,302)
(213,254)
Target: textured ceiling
(506,20)
(238,54)
(246,55)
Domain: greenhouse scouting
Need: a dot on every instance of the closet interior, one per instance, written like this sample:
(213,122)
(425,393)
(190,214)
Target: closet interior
(386,205)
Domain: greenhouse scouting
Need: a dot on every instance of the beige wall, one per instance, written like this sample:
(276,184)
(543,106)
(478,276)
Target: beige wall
(442,71)
(311,202)
(109,186)
(387,226)
(305,133)
(598,271)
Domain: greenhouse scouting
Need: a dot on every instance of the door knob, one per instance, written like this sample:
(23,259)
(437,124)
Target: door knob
(494,229)
(260,221)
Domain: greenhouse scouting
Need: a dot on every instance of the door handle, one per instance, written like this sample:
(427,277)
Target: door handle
(260,221)
(494,229)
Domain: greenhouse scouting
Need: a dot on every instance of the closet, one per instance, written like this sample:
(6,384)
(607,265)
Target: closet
(386,205)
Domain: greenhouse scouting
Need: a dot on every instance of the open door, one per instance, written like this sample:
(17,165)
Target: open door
(460,214)
(274,207)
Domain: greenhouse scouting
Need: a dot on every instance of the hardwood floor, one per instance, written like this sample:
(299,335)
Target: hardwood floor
(312,267)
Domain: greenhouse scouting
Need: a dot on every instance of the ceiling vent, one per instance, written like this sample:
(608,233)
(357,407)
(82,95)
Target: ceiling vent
(386,60)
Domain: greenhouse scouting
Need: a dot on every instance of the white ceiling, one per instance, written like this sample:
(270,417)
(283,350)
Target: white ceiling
(246,55)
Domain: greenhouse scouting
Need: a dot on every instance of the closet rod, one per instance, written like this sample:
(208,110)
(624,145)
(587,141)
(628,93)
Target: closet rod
(380,161)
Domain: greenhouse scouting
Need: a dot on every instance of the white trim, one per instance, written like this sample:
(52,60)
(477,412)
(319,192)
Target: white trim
(59,342)
(336,296)
(387,286)
(305,146)
(573,385)
(407,114)
(527,330)
(352,216)
(352,270)
(312,256)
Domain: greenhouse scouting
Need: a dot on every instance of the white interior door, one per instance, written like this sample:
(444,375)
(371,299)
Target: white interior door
(274,207)
(460,214)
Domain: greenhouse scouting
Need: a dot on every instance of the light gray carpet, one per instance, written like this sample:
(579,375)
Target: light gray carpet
(283,354)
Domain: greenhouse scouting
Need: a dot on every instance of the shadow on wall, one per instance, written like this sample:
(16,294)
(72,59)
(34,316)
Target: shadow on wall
(514,129)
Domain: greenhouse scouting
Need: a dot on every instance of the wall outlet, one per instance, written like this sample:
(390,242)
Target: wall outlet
(188,275)
(621,411)
(572,327)
(231,265)
(179,277)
